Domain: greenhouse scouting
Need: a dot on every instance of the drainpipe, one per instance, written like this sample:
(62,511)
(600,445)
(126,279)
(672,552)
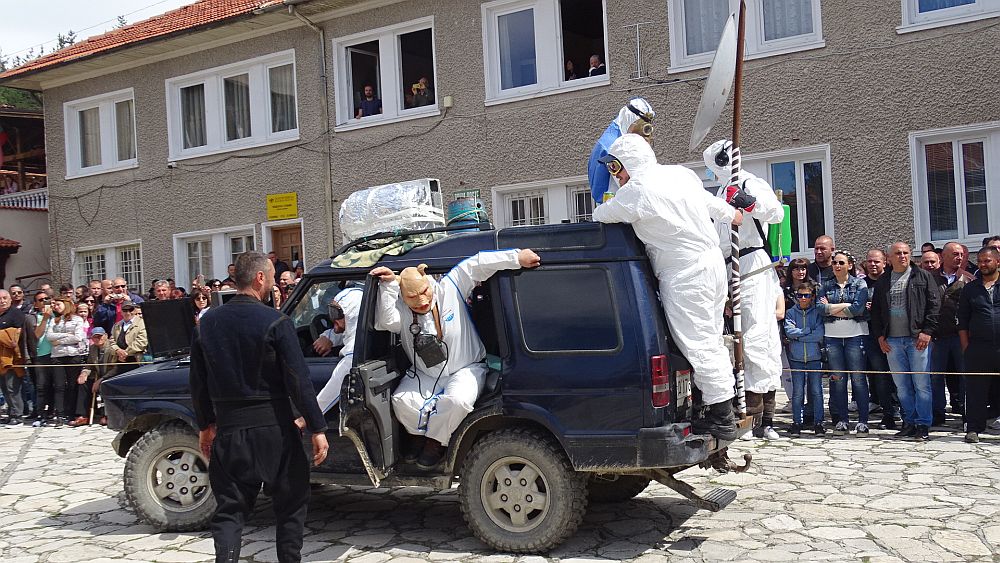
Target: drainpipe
(328,180)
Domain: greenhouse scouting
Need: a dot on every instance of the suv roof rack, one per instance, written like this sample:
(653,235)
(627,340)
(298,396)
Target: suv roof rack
(482,226)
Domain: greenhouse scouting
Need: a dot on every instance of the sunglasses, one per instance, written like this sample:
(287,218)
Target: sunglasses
(804,295)
(88,301)
(840,262)
(614,167)
(120,286)
(800,267)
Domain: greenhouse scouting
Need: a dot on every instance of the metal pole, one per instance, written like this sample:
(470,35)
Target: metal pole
(735,166)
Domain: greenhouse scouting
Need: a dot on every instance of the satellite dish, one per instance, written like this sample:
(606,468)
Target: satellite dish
(718,86)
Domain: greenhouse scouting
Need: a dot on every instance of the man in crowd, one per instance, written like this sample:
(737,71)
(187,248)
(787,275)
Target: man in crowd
(100,366)
(96,290)
(161,290)
(17,299)
(370,105)
(930,261)
(285,281)
(230,275)
(672,214)
(904,318)
(109,311)
(885,389)
(822,267)
(280,266)
(247,373)
(979,333)
(12,352)
(946,351)
(128,338)
(47,288)
(760,290)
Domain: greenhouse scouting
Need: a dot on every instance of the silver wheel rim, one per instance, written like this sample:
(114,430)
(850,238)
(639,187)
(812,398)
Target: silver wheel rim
(178,480)
(515,494)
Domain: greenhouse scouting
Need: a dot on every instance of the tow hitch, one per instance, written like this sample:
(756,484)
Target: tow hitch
(716,499)
(719,461)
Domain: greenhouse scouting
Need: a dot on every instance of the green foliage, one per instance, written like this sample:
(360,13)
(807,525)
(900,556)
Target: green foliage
(19,98)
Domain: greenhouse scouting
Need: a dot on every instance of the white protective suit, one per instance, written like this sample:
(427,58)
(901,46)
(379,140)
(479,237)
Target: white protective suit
(672,214)
(759,292)
(424,403)
(350,301)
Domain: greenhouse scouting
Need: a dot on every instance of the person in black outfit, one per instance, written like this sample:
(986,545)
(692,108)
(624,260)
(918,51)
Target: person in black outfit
(280,266)
(245,366)
(979,333)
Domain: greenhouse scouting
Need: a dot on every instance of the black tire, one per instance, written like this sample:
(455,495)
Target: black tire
(166,479)
(615,488)
(492,509)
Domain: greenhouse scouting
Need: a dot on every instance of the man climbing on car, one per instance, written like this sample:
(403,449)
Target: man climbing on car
(440,340)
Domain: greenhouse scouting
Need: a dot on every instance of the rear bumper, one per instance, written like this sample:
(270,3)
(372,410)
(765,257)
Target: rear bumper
(668,446)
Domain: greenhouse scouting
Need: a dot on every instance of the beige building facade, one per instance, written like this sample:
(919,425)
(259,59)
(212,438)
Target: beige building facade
(878,120)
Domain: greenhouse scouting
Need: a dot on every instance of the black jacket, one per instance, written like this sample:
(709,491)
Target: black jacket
(950,295)
(246,358)
(979,314)
(923,303)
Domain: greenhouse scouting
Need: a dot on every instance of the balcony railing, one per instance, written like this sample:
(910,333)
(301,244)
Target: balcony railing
(30,199)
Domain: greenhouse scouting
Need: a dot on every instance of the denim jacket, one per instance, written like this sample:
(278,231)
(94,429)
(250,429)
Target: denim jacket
(804,329)
(855,292)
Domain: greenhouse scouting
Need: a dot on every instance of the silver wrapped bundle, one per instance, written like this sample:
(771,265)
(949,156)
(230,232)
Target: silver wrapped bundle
(413,204)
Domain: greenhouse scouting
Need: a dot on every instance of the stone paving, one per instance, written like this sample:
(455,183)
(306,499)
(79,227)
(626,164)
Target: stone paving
(836,499)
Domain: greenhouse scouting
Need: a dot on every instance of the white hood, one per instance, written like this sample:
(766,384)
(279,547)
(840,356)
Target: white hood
(634,153)
(627,117)
(709,156)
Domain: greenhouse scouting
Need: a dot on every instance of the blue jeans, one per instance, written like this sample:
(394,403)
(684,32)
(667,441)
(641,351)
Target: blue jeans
(914,390)
(944,352)
(885,388)
(815,384)
(847,356)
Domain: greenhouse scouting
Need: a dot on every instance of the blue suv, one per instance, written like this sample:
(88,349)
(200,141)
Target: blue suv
(586,400)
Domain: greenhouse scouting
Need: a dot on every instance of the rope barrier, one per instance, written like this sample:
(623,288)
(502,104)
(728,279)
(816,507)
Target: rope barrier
(80,365)
(876,372)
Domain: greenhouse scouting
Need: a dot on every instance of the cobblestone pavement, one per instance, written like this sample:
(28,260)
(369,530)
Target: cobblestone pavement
(838,499)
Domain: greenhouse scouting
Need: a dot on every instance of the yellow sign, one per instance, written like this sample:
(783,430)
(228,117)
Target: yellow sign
(282,206)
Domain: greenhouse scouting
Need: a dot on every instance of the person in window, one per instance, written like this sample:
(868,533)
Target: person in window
(448,368)
(570,71)
(597,67)
(423,94)
(370,105)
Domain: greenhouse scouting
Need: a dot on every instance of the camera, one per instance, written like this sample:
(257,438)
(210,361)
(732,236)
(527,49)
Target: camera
(430,349)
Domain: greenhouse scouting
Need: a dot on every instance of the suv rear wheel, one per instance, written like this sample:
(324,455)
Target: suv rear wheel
(519,492)
(166,479)
(615,488)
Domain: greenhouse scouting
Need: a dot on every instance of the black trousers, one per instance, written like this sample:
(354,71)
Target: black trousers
(66,374)
(245,459)
(981,391)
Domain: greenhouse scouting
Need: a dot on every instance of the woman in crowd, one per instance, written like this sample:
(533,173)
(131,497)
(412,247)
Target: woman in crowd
(843,302)
(69,348)
(201,306)
(796,274)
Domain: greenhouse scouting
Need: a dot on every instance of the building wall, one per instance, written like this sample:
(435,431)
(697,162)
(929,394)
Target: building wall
(861,95)
(31,229)
(152,202)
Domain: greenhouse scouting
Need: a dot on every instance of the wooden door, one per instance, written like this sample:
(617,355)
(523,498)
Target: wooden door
(287,243)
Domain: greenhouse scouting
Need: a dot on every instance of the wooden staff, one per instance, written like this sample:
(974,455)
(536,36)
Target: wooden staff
(735,167)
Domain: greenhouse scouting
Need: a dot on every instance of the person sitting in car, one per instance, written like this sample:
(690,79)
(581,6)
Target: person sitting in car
(448,371)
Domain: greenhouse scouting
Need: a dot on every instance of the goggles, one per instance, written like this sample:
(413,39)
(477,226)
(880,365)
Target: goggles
(614,166)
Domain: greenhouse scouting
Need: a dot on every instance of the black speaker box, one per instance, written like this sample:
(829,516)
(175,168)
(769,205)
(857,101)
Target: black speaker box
(169,326)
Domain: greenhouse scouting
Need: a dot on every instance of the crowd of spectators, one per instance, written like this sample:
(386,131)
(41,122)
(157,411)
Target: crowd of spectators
(70,340)
(916,324)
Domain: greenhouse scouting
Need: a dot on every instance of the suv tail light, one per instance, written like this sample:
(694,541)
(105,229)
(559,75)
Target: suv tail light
(661,381)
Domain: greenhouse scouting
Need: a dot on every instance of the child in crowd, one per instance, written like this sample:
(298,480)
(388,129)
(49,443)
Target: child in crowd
(804,331)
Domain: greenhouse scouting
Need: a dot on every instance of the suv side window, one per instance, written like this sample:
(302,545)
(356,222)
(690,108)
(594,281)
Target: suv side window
(314,303)
(568,310)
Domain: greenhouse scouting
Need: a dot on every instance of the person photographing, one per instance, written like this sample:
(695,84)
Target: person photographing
(247,372)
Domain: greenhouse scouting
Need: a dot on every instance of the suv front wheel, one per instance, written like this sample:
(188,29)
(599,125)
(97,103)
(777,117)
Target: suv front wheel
(519,492)
(166,479)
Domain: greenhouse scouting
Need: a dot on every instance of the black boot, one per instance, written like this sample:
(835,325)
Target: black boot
(718,421)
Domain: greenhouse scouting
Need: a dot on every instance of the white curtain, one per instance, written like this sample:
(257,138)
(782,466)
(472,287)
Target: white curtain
(282,83)
(237,93)
(943,211)
(193,115)
(703,23)
(90,137)
(125,129)
(787,18)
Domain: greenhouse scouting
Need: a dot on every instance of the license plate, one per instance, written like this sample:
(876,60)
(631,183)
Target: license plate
(683,385)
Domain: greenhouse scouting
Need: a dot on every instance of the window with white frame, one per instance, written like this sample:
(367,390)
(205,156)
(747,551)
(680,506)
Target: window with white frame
(581,203)
(122,260)
(241,105)
(773,27)
(525,208)
(100,133)
(803,176)
(238,245)
(535,47)
(955,175)
(199,257)
(386,74)
(924,14)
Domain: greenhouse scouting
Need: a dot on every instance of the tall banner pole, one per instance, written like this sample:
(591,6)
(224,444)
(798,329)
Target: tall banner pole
(735,167)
